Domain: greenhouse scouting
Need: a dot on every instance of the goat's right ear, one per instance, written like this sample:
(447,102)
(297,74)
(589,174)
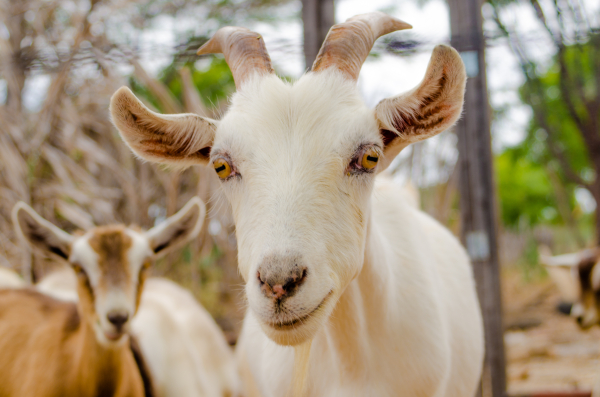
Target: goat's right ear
(430,108)
(177,229)
(40,233)
(175,139)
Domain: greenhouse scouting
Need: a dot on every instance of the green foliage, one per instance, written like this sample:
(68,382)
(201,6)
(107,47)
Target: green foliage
(544,93)
(530,266)
(526,195)
(214,82)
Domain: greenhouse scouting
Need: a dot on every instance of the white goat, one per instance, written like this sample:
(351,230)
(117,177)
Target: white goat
(55,348)
(184,348)
(385,293)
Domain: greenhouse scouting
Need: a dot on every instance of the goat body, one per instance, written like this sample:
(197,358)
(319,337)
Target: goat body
(182,345)
(375,297)
(408,325)
(47,350)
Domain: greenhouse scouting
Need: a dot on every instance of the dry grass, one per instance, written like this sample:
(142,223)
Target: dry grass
(68,162)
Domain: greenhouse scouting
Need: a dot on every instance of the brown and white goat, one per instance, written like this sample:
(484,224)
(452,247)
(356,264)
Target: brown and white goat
(56,348)
(577,275)
(376,298)
(186,351)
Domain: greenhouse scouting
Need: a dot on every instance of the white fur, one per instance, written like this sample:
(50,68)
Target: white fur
(10,279)
(388,299)
(60,284)
(185,349)
(408,325)
(401,315)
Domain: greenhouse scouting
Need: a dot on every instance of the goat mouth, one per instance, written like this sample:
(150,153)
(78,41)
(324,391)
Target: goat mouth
(287,325)
(113,336)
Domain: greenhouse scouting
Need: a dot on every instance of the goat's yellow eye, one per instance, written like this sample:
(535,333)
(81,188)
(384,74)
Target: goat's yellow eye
(222,167)
(369,159)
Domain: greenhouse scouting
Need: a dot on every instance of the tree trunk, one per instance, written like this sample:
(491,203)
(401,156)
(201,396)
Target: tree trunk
(595,190)
(317,17)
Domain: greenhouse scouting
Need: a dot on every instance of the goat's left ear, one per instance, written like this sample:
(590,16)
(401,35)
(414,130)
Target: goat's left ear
(40,233)
(432,107)
(177,229)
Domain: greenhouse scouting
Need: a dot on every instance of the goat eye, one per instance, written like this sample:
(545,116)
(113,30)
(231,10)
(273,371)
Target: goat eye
(222,167)
(370,159)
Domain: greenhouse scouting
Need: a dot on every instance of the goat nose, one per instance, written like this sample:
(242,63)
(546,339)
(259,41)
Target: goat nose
(117,318)
(279,284)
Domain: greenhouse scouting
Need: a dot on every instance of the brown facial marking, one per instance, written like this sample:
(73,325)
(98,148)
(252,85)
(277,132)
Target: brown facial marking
(111,243)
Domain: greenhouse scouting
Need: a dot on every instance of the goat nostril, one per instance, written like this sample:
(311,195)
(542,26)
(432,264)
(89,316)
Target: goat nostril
(278,291)
(117,319)
(278,281)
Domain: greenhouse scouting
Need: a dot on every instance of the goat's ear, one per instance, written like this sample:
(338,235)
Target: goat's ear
(180,140)
(177,229)
(40,233)
(430,108)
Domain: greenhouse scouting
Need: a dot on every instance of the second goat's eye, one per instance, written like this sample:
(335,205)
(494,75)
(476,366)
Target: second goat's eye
(370,159)
(222,167)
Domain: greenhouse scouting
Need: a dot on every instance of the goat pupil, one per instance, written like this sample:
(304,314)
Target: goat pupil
(373,159)
(221,168)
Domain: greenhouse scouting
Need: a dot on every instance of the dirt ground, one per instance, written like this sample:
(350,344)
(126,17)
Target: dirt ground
(546,350)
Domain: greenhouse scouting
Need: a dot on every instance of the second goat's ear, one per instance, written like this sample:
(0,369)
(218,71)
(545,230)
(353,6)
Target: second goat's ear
(177,229)
(40,233)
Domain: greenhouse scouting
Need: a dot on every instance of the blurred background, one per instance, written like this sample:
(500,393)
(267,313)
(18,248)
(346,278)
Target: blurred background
(61,60)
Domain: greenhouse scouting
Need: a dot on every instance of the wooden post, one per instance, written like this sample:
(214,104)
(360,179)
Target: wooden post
(317,16)
(477,196)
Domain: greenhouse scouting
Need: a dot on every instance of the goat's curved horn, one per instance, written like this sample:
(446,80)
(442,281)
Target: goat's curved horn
(348,44)
(244,51)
